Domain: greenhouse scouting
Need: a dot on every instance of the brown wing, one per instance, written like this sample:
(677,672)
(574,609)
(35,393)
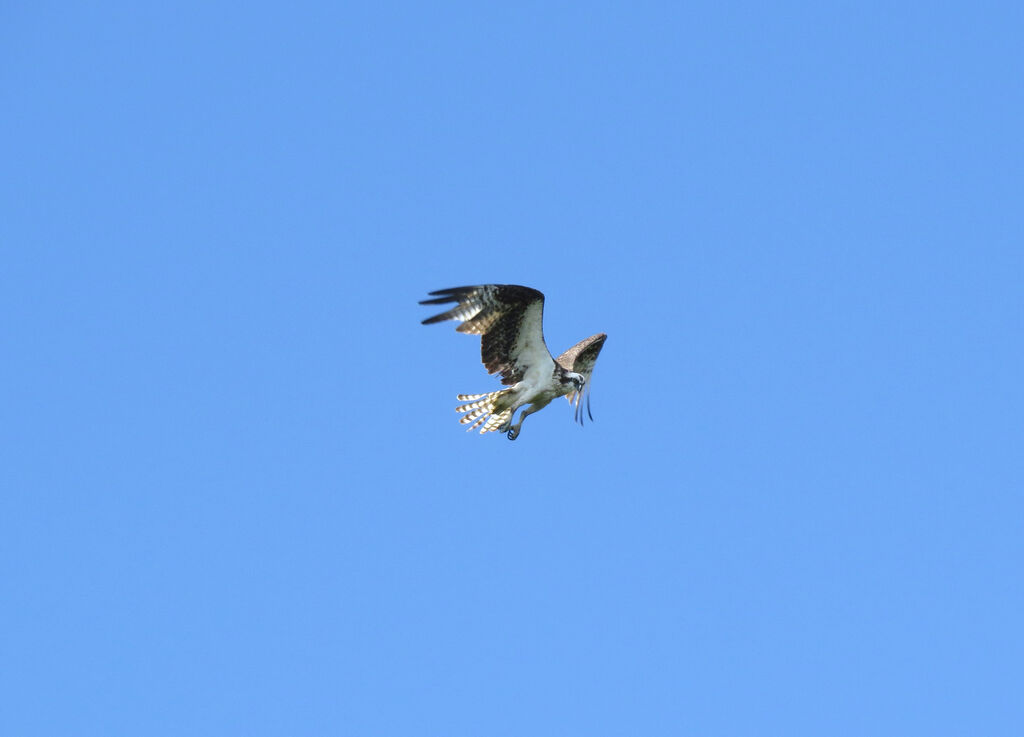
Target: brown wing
(507,317)
(581,359)
(582,356)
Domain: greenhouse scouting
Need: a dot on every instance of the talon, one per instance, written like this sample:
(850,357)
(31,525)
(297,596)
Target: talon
(513,433)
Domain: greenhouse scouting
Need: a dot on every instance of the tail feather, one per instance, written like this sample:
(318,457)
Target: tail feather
(486,410)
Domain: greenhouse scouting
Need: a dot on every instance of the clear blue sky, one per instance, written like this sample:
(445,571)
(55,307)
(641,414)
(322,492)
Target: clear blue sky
(236,499)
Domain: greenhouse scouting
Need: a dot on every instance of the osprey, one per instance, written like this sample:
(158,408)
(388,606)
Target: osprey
(508,319)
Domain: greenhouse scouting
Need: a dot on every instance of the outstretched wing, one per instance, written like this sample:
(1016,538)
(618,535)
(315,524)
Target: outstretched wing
(508,320)
(581,359)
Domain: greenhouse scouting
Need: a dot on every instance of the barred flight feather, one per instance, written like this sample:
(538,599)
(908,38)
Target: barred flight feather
(483,410)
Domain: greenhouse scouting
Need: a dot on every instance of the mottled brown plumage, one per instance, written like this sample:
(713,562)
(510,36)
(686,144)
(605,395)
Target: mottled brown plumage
(582,356)
(498,311)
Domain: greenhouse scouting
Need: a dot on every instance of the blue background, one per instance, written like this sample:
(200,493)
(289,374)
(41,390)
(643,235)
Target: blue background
(236,499)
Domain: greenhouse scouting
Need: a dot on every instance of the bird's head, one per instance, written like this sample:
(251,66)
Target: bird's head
(577,380)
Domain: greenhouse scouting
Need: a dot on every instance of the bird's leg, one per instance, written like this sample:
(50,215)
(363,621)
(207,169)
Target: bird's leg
(513,431)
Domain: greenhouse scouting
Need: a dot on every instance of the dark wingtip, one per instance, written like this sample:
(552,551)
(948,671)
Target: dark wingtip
(441,296)
(444,296)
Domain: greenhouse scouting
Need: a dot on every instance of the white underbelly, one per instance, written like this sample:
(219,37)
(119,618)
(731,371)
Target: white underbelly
(538,388)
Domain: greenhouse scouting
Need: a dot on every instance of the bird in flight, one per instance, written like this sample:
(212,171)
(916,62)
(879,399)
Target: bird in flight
(508,318)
